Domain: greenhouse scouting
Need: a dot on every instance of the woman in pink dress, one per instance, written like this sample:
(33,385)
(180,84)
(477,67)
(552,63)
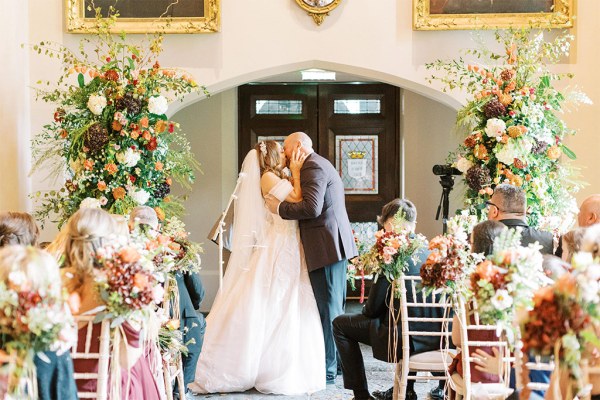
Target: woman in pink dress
(87,230)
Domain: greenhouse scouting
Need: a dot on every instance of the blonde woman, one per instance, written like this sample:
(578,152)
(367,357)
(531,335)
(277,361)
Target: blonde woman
(86,231)
(55,374)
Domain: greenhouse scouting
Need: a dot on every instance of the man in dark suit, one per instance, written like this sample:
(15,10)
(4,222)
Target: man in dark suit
(326,235)
(372,326)
(191,293)
(509,206)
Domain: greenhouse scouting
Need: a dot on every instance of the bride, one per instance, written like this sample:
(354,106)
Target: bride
(264,330)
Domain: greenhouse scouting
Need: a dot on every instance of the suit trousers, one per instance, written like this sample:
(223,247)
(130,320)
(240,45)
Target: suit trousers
(329,287)
(194,332)
(349,330)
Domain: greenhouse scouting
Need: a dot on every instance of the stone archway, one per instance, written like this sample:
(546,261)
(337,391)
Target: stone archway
(369,74)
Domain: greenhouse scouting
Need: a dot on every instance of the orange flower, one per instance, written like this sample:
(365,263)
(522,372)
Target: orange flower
(129,255)
(543,294)
(169,181)
(135,134)
(118,193)
(88,164)
(140,280)
(63,134)
(163,239)
(111,168)
(175,246)
(146,135)
(116,125)
(160,126)
(566,284)
(144,122)
(102,186)
(553,152)
(480,152)
(160,213)
(486,270)
(158,166)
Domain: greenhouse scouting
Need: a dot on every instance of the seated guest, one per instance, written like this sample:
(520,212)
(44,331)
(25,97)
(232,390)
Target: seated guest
(508,205)
(589,212)
(483,235)
(482,369)
(55,374)
(191,293)
(372,326)
(87,230)
(571,243)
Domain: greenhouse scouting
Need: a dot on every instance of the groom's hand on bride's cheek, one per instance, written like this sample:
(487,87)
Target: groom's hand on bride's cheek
(272,203)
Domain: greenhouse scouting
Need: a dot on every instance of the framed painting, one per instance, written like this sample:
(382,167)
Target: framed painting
(146,16)
(491,14)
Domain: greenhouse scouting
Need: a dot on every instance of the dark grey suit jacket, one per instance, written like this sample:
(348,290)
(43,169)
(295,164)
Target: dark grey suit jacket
(531,235)
(324,225)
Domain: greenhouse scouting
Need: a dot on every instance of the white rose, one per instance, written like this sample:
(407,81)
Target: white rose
(463,164)
(140,196)
(570,342)
(502,300)
(158,105)
(90,202)
(507,154)
(495,127)
(96,104)
(129,157)
(17,278)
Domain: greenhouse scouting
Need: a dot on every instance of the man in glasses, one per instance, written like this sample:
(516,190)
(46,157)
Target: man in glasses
(509,206)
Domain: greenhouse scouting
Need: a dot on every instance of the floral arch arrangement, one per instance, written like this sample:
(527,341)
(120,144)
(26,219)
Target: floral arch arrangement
(514,131)
(110,138)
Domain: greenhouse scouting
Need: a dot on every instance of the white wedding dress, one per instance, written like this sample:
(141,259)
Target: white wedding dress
(264,330)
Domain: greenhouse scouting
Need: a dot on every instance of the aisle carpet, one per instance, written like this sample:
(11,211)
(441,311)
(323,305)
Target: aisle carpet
(379,375)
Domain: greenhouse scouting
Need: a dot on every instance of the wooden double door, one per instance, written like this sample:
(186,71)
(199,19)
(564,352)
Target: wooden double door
(355,126)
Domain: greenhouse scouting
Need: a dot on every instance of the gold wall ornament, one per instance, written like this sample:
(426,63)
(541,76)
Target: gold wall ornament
(78,22)
(318,9)
(429,15)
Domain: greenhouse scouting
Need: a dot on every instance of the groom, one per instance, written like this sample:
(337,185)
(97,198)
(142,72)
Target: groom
(326,235)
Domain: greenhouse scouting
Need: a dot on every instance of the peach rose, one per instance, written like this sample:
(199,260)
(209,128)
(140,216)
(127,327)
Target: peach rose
(88,164)
(135,134)
(111,168)
(140,280)
(144,122)
(158,166)
(146,135)
(160,126)
(102,186)
(129,255)
(554,152)
(118,193)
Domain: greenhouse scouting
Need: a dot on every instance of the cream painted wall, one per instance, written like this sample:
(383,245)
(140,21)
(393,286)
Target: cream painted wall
(14,107)
(211,126)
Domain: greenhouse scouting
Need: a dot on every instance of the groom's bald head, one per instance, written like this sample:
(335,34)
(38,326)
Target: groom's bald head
(297,140)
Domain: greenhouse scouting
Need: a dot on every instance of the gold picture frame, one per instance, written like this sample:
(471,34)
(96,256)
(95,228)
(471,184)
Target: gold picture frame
(77,22)
(557,15)
(318,9)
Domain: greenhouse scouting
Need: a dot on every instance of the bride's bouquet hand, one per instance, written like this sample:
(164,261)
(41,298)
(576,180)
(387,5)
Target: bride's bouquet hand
(297,161)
